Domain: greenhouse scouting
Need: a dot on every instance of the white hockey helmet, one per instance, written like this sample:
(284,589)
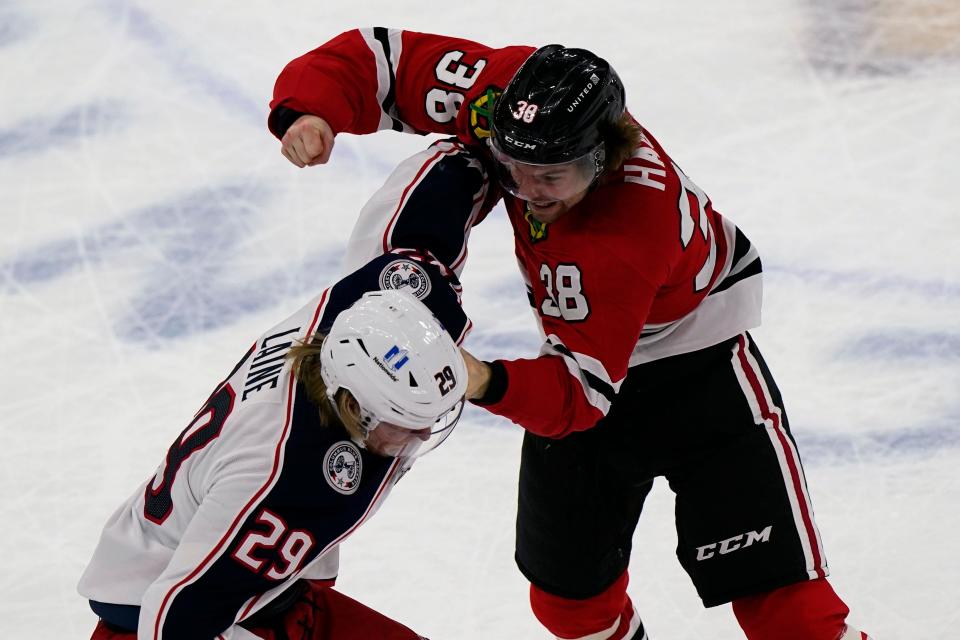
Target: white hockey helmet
(402,367)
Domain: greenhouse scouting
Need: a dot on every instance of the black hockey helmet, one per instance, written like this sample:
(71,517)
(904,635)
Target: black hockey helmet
(556,106)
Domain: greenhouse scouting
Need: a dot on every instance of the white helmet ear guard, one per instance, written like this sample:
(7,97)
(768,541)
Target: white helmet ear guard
(399,363)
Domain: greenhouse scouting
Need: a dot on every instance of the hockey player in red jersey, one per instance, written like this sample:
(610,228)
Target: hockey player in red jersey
(644,295)
(237,534)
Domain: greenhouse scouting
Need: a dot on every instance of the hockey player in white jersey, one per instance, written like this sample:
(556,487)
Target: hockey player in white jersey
(236,535)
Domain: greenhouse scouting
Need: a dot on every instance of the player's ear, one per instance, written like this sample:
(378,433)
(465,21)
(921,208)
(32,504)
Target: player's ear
(349,410)
(349,406)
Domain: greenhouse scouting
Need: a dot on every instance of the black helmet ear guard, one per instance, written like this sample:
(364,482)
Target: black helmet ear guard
(557,106)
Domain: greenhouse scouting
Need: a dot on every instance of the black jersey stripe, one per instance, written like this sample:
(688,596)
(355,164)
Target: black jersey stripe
(741,245)
(744,263)
(597,384)
(752,269)
(381,35)
(652,331)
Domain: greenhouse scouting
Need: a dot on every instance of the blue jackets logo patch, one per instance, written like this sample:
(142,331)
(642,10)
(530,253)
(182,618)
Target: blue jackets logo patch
(406,275)
(342,467)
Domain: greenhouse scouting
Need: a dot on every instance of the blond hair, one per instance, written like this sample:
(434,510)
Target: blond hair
(620,139)
(306,368)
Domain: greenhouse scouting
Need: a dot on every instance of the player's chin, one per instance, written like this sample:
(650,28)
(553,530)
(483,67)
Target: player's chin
(546,211)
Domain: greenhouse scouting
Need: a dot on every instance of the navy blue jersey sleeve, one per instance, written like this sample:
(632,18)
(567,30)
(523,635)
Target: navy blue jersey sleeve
(429,204)
(442,206)
(435,286)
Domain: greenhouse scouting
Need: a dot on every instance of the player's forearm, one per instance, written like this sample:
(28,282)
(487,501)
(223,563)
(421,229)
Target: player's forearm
(539,394)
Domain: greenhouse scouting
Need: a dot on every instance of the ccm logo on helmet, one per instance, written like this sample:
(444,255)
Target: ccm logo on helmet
(732,544)
(519,143)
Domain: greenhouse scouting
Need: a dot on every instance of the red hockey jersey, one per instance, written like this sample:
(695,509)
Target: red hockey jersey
(642,268)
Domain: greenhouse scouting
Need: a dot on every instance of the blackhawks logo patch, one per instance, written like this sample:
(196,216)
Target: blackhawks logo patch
(538,230)
(481,112)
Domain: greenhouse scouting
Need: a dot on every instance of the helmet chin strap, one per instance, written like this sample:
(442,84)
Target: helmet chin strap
(599,158)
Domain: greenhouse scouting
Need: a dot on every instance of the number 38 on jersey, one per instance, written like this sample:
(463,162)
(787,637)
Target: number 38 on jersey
(565,297)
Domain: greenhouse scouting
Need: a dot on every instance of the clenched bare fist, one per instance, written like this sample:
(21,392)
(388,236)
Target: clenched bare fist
(307,142)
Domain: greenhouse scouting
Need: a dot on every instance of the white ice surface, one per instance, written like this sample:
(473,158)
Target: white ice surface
(151,229)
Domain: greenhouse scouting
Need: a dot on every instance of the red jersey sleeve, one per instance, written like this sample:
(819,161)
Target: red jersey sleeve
(573,382)
(370,79)
(593,286)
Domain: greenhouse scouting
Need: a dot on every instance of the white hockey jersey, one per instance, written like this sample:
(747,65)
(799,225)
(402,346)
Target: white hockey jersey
(254,493)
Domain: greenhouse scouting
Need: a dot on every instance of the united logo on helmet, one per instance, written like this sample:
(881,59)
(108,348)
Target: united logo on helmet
(481,111)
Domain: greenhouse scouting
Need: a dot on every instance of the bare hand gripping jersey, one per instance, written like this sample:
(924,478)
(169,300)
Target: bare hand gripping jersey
(254,493)
(641,269)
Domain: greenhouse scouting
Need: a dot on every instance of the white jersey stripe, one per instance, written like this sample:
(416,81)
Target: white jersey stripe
(395,38)
(383,76)
(578,364)
(729,231)
(587,363)
(732,307)
(386,72)
(770,416)
(593,397)
(222,545)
